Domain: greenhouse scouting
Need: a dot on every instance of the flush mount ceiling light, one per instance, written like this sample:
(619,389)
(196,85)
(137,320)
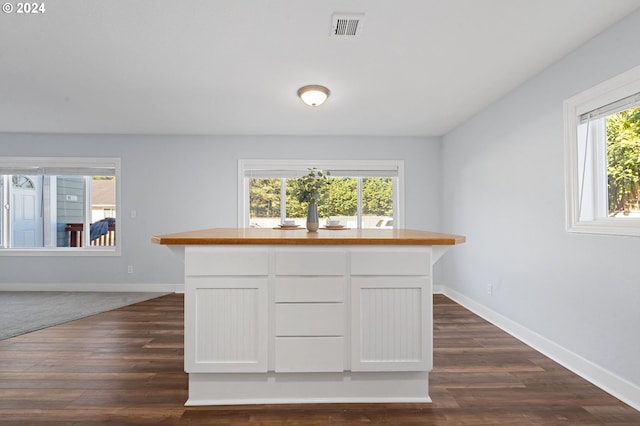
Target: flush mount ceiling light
(314,94)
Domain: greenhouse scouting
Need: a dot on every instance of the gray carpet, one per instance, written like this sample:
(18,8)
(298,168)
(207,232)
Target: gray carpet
(22,312)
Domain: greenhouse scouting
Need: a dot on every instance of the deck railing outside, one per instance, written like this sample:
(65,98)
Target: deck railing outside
(75,236)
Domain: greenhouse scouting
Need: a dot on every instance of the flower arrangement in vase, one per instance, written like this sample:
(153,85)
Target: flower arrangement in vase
(307,190)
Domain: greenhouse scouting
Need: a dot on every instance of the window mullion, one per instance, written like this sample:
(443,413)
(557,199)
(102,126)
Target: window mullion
(6,228)
(283,199)
(359,208)
(86,229)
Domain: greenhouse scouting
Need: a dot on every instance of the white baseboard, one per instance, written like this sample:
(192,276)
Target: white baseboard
(611,383)
(120,287)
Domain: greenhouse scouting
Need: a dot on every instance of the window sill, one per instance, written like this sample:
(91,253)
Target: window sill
(112,251)
(620,227)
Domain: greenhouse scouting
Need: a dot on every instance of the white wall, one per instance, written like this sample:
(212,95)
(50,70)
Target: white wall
(180,183)
(503,187)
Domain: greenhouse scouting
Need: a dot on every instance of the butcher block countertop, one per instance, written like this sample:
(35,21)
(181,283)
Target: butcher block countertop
(236,236)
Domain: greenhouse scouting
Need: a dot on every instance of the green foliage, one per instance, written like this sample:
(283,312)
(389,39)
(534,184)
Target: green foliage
(336,196)
(342,199)
(377,197)
(623,160)
(264,197)
(295,208)
(307,188)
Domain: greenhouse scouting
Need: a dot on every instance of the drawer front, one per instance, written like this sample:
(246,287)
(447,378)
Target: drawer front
(311,262)
(226,261)
(309,354)
(309,319)
(399,261)
(310,289)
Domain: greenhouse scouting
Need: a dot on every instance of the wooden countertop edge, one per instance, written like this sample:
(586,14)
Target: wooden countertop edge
(302,242)
(305,239)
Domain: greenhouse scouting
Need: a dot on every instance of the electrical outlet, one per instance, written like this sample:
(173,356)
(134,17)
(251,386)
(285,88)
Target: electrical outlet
(490,289)
(130,269)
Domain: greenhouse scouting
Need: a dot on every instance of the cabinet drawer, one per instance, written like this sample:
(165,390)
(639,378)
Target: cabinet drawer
(309,319)
(311,262)
(309,354)
(225,261)
(398,261)
(310,289)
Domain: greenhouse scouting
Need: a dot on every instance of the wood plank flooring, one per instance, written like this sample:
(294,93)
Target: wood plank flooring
(125,367)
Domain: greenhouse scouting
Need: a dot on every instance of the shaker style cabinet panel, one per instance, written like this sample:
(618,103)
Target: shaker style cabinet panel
(226,309)
(391,309)
(390,327)
(226,324)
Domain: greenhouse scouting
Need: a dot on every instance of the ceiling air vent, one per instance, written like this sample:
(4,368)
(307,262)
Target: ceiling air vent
(347,24)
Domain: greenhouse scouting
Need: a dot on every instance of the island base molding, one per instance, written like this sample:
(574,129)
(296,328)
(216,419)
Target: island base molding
(295,388)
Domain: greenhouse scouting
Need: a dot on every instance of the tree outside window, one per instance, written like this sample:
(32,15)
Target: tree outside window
(623,162)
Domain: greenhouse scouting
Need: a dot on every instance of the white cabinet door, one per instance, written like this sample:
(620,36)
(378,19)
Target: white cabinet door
(391,324)
(226,324)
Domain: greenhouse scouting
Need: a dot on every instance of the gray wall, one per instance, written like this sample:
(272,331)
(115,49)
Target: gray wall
(503,187)
(180,183)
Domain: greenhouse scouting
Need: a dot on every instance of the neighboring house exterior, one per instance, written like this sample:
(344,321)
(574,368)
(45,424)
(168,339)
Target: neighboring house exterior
(103,199)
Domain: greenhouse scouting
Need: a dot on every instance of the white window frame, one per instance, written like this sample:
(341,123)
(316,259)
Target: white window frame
(586,159)
(77,163)
(302,167)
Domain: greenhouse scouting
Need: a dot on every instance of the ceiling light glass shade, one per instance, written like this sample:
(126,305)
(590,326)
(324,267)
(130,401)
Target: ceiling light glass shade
(313,95)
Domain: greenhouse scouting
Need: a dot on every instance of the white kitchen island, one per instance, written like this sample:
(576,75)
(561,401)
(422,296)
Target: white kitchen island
(287,316)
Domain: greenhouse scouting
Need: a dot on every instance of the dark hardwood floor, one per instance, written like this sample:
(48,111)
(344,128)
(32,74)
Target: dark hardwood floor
(124,367)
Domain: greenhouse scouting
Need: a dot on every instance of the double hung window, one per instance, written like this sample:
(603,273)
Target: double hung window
(59,205)
(602,154)
(360,194)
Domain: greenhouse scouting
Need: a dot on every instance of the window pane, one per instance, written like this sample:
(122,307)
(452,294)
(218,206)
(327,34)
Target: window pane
(623,163)
(377,202)
(338,201)
(295,209)
(264,202)
(68,202)
(103,211)
(341,201)
(351,193)
(27,218)
(69,210)
(49,211)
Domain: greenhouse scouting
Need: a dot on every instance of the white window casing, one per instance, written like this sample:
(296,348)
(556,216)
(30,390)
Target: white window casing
(338,168)
(50,167)
(586,157)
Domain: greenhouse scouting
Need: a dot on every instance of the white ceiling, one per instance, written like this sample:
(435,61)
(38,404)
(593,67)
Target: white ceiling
(419,67)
